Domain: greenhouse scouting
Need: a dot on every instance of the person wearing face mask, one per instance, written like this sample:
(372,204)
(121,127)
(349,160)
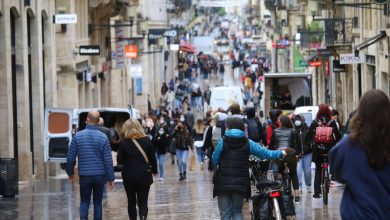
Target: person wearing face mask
(161,144)
(182,142)
(305,154)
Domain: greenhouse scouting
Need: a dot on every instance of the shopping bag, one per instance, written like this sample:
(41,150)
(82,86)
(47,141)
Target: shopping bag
(192,162)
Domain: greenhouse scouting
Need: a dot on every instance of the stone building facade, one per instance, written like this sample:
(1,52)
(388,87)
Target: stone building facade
(27,81)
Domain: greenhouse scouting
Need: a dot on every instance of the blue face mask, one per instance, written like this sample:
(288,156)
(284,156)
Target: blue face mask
(298,123)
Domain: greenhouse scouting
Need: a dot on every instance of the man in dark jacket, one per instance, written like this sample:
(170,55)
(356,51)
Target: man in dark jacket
(231,181)
(255,129)
(94,164)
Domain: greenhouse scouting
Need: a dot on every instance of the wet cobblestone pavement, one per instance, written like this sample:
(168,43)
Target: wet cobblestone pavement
(170,199)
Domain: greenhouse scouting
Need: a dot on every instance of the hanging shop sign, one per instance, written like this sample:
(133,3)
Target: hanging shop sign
(280,44)
(352,59)
(155,34)
(315,63)
(131,51)
(65,19)
(135,71)
(120,48)
(89,50)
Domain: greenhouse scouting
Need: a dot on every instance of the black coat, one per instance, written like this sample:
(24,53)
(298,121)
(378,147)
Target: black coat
(319,149)
(135,168)
(232,176)
(301,134)
(161,143)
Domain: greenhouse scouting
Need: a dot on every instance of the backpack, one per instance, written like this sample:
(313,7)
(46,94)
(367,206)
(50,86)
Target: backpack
(324,133)
(253,130)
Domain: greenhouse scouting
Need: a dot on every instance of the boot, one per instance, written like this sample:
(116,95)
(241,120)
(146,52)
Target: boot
(143,217)
(181,177)
(185,175)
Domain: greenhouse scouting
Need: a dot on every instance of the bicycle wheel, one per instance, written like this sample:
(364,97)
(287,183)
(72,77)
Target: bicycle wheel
(325,187)
(277,213)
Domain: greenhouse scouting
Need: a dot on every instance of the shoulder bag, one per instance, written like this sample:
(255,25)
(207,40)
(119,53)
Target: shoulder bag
(143,154)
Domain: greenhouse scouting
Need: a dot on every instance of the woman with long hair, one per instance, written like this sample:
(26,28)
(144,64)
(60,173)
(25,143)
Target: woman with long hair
(362,160)
(285,137)
(197,135)
(139,163)
(320,150)
(181,138)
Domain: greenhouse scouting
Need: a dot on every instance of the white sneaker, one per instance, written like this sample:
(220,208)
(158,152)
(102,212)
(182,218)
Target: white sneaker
(160,179)
(308,190)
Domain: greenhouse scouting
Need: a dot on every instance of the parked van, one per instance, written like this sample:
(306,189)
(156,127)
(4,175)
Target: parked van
(223,97)
(308,112)
(62,124)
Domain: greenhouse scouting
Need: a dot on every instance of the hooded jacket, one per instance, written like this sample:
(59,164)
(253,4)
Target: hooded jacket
(232,154)
(301,132)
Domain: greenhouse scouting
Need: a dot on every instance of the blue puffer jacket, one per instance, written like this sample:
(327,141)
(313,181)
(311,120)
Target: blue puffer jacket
(94,154)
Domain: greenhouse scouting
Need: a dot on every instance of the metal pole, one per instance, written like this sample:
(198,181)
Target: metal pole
(132,92)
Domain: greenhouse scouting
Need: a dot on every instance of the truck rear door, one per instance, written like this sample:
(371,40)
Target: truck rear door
(58,134)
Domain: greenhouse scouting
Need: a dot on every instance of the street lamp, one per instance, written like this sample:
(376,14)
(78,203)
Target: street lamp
(144,26)
(131,12)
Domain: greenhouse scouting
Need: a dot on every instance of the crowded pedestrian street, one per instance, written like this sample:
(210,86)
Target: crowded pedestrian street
(57,198)
(194,110)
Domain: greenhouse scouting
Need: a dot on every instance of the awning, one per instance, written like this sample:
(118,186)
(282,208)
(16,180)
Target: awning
(186,47)
(370,41)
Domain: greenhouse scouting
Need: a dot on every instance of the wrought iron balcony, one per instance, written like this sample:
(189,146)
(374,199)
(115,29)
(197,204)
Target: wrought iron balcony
(338,31)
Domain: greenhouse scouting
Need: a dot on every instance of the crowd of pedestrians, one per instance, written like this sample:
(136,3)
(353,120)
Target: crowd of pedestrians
(226,139)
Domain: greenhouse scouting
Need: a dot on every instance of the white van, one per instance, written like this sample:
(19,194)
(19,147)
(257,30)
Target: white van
(223,97)
(308,112)
(62,124)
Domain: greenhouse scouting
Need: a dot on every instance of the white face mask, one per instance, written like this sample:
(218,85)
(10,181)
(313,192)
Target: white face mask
(161,121)
(298,123)
(182,119)
(161,132)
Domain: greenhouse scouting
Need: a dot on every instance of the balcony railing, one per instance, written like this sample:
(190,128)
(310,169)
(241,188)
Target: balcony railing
(338,31)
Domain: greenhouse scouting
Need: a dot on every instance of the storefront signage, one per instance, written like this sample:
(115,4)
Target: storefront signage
(303,63)
(155,34)
(65,19)
(120,48)
(280,43)
(352,59)
(90,50)
(135,71)
(131,51)
(315,63)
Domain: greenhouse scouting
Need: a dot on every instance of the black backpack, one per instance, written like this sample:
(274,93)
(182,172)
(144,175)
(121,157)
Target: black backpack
(253,130)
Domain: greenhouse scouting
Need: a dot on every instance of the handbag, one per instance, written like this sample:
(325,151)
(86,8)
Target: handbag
(143,154)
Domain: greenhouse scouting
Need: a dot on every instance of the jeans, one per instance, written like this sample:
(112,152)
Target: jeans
(200,154)
(230,206)
(181,156)
(137,193)
(304,165)
(161,160)
(89,184)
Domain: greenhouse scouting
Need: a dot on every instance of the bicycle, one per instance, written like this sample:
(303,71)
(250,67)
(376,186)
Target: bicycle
(265,202)
(325,179)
